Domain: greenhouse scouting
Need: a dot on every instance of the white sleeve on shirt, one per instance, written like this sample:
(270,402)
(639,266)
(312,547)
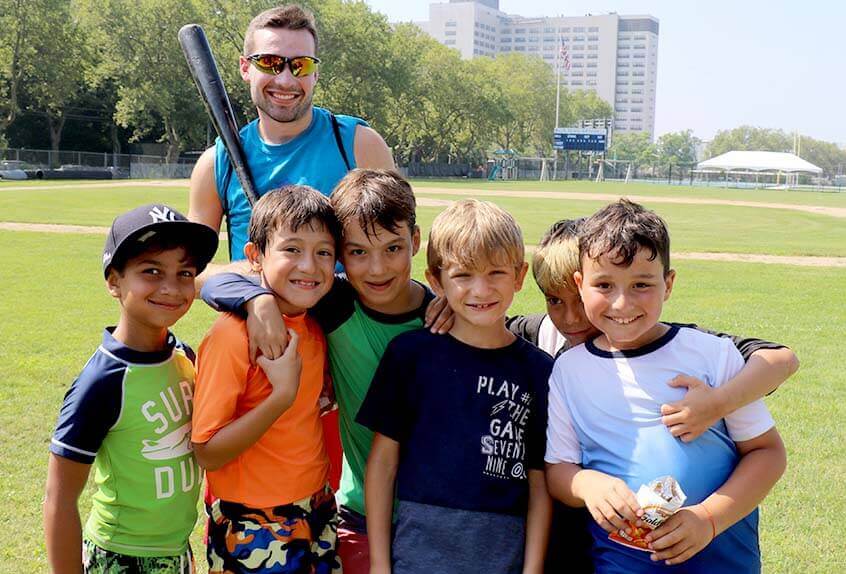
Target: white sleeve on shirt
(747,422)
(562,444)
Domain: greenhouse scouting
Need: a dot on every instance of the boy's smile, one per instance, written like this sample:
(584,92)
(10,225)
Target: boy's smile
(480,298)
(625,303)
(565,309)
(298,266)
(378,266)
(155,290)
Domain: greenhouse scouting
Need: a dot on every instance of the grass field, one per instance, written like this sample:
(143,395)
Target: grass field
(55,307)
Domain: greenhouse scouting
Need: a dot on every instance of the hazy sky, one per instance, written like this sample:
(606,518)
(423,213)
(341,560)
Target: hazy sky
(721,64)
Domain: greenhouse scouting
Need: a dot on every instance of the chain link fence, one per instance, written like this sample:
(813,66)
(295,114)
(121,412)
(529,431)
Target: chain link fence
(63,164)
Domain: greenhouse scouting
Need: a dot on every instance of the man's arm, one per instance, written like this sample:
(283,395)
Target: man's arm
(62,527)
(379,500)
(537,523)
(203,202)
(204,206)
(370,149)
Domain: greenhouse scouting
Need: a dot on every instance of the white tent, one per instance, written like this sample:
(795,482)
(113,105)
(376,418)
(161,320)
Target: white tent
(770,161)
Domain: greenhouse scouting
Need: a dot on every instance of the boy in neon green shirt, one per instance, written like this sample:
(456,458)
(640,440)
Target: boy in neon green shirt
(129,411)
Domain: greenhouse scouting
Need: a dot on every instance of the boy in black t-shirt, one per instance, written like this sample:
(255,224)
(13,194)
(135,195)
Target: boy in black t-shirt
(460,419)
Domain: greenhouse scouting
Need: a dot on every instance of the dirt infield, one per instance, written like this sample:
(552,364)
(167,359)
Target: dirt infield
(817,209)
(464,192)
(805,261)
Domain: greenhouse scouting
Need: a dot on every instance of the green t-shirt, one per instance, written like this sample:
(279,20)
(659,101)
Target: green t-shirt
(129,413)
(357,338)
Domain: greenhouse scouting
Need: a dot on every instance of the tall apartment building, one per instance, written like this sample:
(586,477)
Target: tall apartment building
(614,55)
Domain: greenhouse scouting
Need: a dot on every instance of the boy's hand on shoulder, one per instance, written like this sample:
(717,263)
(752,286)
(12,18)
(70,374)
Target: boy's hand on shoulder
(700,408)
(439,316)
(610,501)
(265,328)
(682,536)
(284,372)
(380,569)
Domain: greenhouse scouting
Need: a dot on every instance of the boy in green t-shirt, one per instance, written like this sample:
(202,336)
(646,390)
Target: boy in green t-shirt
(129,411)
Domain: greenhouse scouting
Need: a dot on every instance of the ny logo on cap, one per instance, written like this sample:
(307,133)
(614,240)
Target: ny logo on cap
(162,214)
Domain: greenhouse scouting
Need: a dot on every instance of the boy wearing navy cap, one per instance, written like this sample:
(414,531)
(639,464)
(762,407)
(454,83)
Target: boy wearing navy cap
(129,411)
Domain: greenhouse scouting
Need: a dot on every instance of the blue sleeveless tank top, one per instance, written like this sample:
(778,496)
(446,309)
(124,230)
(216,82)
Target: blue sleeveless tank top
(312,158)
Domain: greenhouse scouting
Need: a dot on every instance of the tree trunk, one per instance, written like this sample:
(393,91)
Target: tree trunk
(115,139)
(172,143)
(57,125)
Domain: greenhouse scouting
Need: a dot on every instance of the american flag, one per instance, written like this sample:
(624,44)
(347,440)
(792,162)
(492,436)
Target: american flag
(563,56)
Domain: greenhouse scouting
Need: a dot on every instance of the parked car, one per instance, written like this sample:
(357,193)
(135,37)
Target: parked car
(12,169)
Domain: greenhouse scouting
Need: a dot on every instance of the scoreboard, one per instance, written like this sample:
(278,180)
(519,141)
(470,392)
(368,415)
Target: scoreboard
(582,139)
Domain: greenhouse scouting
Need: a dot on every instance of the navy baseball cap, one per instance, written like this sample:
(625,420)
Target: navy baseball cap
(143,223)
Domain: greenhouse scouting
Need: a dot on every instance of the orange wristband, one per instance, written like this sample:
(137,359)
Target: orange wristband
(713,522)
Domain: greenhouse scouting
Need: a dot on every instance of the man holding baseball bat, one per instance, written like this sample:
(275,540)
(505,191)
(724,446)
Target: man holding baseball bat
(292,141)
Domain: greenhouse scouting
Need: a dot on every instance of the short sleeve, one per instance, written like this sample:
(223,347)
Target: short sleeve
(223,367)
(745,345)
(229,292)
(751,420)
(90,409)
(336,307)
(562,443)
(526,326)
(386,408)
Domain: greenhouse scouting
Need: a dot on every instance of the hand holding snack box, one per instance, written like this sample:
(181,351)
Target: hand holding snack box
(659,499)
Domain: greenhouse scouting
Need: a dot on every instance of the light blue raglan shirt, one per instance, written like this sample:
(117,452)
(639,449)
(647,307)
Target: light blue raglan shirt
(605,414)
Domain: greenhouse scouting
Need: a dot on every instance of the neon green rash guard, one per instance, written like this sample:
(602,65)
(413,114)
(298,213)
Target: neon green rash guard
(129,413)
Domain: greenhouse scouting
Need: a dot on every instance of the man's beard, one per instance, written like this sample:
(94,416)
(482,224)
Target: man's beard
(285,115)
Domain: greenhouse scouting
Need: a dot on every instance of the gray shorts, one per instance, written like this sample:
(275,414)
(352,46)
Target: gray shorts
(430,539)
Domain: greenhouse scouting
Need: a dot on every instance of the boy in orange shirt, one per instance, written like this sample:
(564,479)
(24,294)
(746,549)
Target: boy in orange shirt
(256,429)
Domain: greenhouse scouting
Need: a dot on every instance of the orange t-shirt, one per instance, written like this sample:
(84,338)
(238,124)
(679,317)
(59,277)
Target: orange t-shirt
(289,461)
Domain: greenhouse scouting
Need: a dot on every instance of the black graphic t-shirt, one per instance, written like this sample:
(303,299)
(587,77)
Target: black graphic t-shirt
(470,421)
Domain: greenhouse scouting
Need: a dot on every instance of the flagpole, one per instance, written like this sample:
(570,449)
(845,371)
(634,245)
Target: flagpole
(558,82)
(557,104)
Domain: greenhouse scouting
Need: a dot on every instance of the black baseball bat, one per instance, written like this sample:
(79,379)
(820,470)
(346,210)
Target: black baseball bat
(203,68)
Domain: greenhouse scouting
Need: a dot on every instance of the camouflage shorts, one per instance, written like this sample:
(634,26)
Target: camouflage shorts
(98,560)
(296,538)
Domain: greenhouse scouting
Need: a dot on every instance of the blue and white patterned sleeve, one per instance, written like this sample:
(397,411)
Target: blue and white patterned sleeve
(91,408)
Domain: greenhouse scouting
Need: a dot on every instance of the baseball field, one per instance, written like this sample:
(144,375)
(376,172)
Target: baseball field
(771,264)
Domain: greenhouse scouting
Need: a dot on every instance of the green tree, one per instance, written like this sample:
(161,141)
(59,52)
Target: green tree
(826,155)
(677,148)
(16,49)
(582,105)
(635,147)
(60,81)
(526,94)
(140,52)
(748,138)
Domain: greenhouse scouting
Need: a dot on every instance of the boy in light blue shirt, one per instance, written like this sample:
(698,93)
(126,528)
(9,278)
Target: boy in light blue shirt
(605,436)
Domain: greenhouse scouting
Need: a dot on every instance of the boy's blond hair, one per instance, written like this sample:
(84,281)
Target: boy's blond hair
(557,257)
(471,233)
